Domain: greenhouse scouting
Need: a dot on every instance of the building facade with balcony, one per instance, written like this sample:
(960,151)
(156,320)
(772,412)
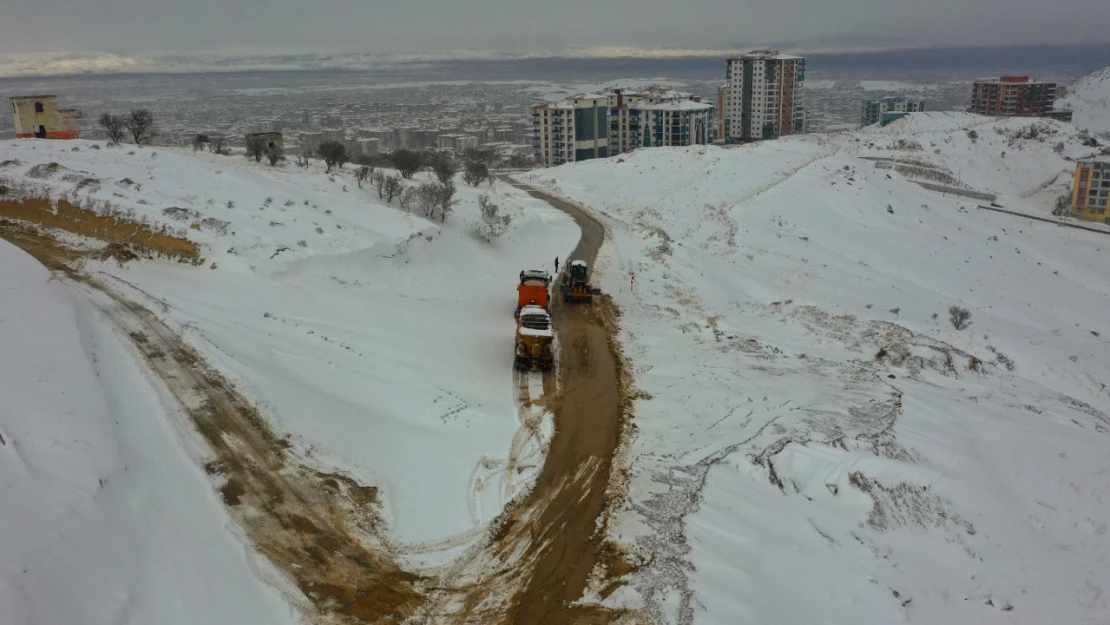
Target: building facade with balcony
(658,117)
(764,96)
(885,110)
(575,129)
(1091,188)
(1012,96)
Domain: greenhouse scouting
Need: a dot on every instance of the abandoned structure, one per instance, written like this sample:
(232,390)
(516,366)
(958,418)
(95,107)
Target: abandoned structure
(268,140)
(39,116)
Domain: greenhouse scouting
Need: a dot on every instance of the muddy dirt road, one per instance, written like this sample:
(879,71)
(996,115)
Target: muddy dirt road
(570,492)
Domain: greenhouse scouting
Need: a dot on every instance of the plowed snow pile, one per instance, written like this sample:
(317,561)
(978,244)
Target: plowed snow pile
(818,442)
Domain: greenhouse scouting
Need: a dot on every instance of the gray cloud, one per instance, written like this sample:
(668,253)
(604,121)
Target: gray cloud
(137,26)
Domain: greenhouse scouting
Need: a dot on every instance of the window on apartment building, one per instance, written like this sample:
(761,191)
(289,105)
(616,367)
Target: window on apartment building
(38,107)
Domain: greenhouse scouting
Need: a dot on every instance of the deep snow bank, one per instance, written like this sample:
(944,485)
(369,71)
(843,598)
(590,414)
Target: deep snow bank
(105,518)
(821,445)
(1089,97)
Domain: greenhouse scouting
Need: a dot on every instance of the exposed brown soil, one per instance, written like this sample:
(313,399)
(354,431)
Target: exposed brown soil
(87,223)
(320,530)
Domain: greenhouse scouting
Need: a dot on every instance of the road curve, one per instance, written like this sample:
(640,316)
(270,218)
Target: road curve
(569,495)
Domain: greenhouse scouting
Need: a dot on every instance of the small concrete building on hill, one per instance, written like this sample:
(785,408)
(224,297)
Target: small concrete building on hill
(38,116)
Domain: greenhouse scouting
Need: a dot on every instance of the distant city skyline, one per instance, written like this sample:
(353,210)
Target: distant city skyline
(129,27)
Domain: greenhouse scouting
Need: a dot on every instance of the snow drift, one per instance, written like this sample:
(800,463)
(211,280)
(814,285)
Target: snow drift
(819,443)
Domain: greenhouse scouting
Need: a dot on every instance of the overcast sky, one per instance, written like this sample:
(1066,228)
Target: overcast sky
(143,26)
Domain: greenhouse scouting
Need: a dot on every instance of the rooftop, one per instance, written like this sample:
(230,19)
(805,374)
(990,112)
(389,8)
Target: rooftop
(766,55)
(1013,80)
(32,97)
(681,105)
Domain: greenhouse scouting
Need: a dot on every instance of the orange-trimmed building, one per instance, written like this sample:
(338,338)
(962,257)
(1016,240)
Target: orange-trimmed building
(38,116)
(764,97)
(1091,188)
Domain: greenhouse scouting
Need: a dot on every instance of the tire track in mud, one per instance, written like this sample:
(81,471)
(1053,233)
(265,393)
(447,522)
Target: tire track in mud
(556,526)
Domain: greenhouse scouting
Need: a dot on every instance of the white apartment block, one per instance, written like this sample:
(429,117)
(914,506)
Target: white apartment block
(886,110)
(575,129)
(657,117)
(764,96)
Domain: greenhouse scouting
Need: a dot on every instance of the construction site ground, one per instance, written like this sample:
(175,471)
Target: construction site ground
(321,530)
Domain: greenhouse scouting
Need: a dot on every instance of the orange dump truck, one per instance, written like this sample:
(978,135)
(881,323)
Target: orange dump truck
(533,290)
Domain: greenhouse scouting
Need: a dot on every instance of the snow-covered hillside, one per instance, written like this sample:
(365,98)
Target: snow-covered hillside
(1089,97)
(817,442)
(106,517)
(380,340)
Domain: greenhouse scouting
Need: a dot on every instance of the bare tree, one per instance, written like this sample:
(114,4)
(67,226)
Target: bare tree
(377,180)
(114,126)
(445,198)
(200,142)
(427,197)
(407,198)
(474,172)
(256,150)
(493,224)
(140,123)
(275,154)
(520,161)
(960,317)
(393,186)
(444,168)
(407,162)
(219,146)
(333,153)
(362,175)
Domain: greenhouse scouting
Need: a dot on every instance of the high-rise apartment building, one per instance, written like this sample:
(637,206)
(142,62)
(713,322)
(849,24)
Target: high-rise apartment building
(885,110)
(575,129)
(1013,96)
(657,117)
(764,98)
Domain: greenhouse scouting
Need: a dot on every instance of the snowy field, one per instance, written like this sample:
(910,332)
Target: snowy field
(107,517)
(820,444)
(1089,97)
(379,340)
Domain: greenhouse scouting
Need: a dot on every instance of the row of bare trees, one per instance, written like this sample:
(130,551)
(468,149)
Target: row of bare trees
(139,123)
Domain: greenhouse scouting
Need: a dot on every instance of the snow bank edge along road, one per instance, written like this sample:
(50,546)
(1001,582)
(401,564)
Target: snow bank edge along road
(106,518)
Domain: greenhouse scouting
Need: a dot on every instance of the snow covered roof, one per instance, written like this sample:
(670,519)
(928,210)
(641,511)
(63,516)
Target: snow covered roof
(765,55)
(680,105)
(578,263)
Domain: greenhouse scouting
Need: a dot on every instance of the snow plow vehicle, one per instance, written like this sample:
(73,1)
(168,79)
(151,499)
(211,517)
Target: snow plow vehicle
(534,339)
(576,284)
(533,290)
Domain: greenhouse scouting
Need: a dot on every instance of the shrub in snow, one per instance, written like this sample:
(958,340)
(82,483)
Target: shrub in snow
(493,223)
(960,317)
